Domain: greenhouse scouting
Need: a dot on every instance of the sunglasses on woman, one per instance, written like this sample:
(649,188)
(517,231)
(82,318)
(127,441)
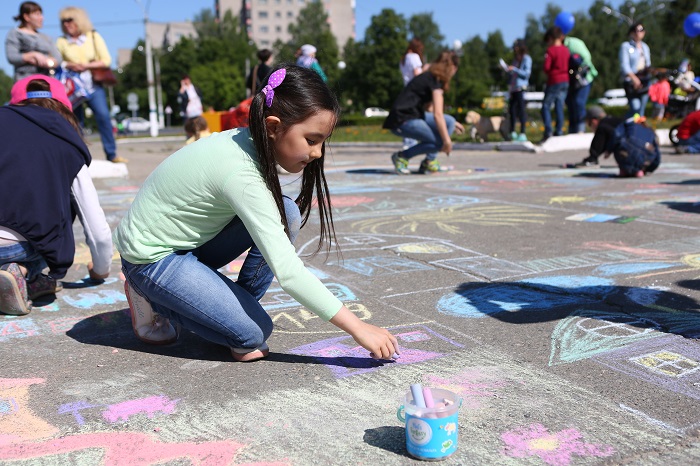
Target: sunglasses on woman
(66,20)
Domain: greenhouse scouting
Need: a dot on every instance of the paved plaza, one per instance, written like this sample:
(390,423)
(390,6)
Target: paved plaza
(561,306)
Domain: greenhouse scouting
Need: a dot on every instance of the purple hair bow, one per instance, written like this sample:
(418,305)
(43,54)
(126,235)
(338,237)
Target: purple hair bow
(275,80)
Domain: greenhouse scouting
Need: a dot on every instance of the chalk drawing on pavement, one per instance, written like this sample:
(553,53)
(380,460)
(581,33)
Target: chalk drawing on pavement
(345,358)
(566,199)
(11,327)
(483,267)
(303,321)
(556,449)
(375,266)
(590,332)
(671,362)
(17,421)
(131,449)
(277,298)
(450,219)
(476,385)
(534,295)
(632,268)
(423,248)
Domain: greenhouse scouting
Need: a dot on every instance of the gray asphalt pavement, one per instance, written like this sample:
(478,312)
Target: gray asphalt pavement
(561,306)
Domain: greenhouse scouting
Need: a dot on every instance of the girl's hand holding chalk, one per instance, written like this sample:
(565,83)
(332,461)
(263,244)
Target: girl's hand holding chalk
(378,341)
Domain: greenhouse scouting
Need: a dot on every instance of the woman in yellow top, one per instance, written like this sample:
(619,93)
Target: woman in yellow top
(83,50)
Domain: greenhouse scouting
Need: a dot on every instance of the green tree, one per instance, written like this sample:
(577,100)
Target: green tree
(312,27)
(423,27)
(372,77)
(6,83)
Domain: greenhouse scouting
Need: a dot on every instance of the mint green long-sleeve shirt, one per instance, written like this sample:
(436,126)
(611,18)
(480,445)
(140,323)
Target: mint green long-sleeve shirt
(195,193)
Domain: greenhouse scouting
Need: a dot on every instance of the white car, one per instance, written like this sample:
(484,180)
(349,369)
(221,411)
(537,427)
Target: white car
(376,112)
(135,124)
(613,98)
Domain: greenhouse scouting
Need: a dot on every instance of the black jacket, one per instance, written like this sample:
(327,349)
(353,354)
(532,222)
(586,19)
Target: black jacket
(40,156)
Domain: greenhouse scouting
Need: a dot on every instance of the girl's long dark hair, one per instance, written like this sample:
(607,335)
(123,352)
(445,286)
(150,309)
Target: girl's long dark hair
(301,95)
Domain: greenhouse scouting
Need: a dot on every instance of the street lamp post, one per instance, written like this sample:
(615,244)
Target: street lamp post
(152,113)
(631,19)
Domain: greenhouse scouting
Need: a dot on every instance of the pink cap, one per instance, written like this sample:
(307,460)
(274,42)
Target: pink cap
(58,92)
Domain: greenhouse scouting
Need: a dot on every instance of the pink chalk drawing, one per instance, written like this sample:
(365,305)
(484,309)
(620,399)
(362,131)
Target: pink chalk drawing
(18,329)
(555,449)
(344,358)
(150,406)
(472,385)
(351,201)
(132,449)
(17,421)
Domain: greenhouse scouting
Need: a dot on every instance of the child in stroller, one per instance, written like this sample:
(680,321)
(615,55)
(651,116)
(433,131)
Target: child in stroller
(684,98)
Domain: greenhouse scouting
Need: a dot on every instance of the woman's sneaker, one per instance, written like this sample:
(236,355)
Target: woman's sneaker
(400,164)
(13,290)
(250,355)
(149,326)
(43,285)
(431,166)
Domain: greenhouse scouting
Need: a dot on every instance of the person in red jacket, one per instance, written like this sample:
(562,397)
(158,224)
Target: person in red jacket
(689,134)
(556,67)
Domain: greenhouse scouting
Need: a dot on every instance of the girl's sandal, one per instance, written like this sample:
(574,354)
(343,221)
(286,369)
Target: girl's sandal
(250,354)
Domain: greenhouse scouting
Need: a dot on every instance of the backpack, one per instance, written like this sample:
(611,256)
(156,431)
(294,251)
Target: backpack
(635,148)
(578,72)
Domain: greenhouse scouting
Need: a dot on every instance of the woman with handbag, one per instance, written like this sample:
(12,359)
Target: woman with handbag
(85,53)
(28,50)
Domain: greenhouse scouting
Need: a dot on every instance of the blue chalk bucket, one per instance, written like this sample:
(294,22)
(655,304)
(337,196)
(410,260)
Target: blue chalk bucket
(431,433)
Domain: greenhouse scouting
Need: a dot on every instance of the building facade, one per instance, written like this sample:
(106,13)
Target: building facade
(268,20)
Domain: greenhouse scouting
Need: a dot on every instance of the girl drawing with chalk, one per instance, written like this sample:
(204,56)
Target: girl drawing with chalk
(208,203)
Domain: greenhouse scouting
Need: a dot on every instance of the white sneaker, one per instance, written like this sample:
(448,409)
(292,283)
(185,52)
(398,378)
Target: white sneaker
(149,326)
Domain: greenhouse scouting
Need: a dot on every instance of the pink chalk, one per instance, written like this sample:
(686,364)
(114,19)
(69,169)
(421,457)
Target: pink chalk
(428,397)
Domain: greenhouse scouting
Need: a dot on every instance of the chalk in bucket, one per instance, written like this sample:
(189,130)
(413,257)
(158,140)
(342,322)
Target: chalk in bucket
(431,432)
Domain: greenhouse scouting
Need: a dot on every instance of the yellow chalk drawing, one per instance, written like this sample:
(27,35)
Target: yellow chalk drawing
(547,443)
(424,248)
(296,321)
(563,199)
(668,363)
(448,219)
(692,260)
(17,421)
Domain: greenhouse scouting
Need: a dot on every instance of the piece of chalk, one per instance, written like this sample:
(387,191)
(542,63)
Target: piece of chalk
(417,391)
(428,398)
(393,356)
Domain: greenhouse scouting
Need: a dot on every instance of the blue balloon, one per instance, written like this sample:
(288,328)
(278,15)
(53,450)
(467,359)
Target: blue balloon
(691,25)
(564,21)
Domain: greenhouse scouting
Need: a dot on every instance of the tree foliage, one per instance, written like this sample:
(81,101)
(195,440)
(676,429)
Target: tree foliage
(216,58)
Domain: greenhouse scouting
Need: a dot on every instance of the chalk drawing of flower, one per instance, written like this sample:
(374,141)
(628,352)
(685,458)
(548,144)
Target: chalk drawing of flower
(555,449)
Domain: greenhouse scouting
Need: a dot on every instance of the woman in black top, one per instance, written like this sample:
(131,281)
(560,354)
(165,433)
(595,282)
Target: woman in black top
(432,130)
(259,72)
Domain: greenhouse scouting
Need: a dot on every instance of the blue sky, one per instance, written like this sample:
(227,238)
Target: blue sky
(121,23)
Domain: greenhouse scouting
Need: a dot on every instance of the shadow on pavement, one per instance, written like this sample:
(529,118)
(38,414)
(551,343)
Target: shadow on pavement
(687,207)
(113,329)
(389,438)
(371,171)
(532,302)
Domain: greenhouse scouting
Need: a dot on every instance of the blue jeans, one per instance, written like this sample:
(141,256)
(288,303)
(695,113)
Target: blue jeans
(97,102)
(693,143)
(425,132)
(576,103)
(637,105)
(23,253)
(186,287)
(554,94)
